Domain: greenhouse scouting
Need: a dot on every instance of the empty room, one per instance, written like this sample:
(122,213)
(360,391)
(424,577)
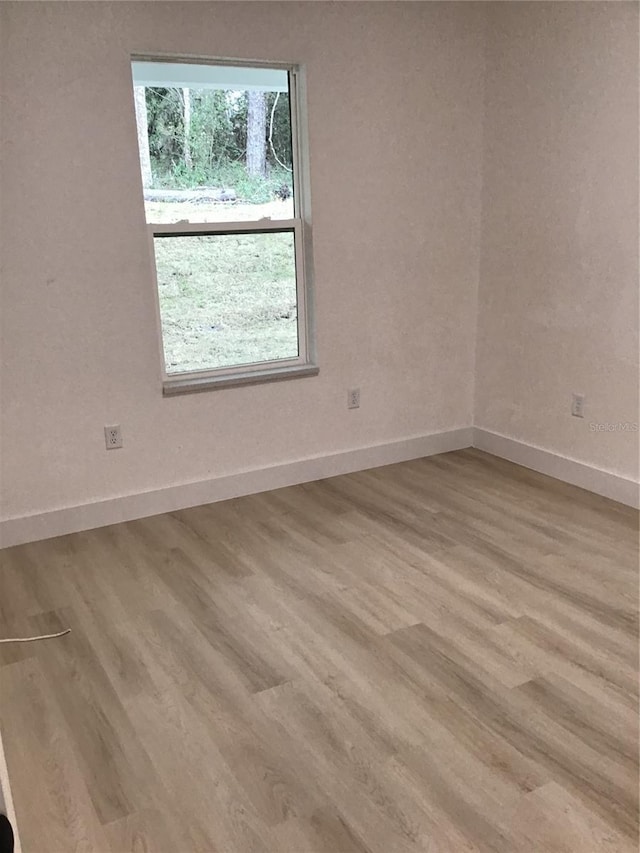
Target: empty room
(319,409)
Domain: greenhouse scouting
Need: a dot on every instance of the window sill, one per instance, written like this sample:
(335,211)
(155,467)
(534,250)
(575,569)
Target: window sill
(190,385)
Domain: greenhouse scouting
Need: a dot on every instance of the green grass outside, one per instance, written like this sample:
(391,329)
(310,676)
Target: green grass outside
(226,300)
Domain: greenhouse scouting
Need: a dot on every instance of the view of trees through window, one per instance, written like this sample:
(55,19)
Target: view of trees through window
(220,154)
(238,143)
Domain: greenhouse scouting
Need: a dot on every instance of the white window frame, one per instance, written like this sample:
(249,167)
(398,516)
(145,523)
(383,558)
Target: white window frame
(300,226)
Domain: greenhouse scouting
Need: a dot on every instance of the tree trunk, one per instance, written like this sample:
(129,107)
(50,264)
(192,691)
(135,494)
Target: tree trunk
(143,135)
(186,98)
(257,134)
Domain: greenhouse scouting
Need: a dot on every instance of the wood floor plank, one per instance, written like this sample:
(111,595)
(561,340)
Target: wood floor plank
(57,812)
(154,830)
(323,832)
(116,767)
(438,656)
(550,818)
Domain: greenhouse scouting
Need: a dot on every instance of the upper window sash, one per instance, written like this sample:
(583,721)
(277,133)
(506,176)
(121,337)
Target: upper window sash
(192,72)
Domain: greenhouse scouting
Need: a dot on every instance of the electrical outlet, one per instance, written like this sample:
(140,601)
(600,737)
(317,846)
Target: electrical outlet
(577,405)
(353,398)
(113,437)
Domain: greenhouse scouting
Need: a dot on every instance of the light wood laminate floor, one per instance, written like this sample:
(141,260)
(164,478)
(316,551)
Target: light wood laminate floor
(437,656)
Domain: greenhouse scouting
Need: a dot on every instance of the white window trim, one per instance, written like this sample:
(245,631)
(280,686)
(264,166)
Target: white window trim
(265,371)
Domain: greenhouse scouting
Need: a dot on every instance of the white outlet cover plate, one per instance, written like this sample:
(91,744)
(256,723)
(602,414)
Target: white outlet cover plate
(113,437)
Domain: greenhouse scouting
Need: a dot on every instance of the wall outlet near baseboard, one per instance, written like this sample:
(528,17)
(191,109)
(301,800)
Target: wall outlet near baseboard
(113,437)
(353,398)
(577,405)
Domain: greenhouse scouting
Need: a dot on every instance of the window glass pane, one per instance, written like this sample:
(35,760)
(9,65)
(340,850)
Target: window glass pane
(214,142)
(227,300)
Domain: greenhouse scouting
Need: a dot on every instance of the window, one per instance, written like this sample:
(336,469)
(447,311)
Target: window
(227,213)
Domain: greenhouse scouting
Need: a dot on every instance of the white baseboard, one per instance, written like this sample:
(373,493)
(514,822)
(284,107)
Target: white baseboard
(563,468)
(16,531)
(57,522)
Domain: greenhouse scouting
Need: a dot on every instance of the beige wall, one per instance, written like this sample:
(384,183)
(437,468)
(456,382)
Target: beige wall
(559,271)
(395,105)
